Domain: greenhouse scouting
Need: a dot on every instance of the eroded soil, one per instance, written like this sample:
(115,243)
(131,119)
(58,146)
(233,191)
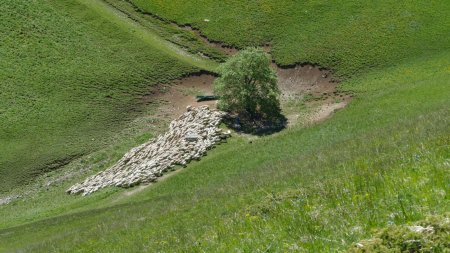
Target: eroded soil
(309,94)
(175,97)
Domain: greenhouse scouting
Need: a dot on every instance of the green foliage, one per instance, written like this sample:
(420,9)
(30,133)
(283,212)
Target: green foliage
(429,235)
(247,84)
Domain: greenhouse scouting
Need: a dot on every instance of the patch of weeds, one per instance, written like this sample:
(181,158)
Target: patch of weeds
(429,235)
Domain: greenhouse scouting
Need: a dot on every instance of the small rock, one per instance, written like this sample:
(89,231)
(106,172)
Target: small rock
(9,199)
(420,229)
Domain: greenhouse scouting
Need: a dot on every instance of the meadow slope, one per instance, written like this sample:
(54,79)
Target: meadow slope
(347,36)
(70,79)
(382,160)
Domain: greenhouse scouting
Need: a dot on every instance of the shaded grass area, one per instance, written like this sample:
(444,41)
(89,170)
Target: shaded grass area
(69,80)
(348,37)
(383,160)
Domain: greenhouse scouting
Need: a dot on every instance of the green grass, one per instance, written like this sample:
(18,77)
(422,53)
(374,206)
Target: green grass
(347,36)
(70,78)
(121,20)
(184,38)
(383,160)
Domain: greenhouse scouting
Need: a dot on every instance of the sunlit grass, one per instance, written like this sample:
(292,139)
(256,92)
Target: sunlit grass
(383,160)
(347,36)
(69,81)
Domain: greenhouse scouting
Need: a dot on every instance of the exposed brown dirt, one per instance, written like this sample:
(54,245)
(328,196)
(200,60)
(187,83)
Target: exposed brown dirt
(302,80)
(175,97)
(326,110)
(311,89)
(309,93)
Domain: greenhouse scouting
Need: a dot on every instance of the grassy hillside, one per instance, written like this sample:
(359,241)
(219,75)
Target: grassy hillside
(347,36)
(184,38)
(382,160)
(69,79)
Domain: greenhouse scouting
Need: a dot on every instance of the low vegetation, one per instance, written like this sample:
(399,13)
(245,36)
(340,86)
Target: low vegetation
(383,160)
(180,36)
(429,235)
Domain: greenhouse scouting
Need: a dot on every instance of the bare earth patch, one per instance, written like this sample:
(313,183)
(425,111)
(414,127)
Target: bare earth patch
(326,110)
(175,97)
(309,94)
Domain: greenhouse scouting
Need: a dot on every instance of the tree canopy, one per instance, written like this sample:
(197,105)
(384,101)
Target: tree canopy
(248,85)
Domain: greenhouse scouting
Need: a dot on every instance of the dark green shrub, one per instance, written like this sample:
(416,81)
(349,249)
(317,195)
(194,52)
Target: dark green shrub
(248,85)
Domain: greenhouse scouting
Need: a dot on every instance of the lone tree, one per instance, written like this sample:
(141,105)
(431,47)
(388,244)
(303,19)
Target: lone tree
(248,85)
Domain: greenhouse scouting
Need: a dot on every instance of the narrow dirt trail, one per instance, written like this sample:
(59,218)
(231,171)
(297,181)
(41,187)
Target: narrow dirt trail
(134,28)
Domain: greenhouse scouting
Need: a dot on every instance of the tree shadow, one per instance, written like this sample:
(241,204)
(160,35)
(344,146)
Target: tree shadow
(256,125)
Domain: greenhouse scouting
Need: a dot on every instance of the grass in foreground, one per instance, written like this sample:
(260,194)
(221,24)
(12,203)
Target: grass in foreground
(383,160)
(429,235)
